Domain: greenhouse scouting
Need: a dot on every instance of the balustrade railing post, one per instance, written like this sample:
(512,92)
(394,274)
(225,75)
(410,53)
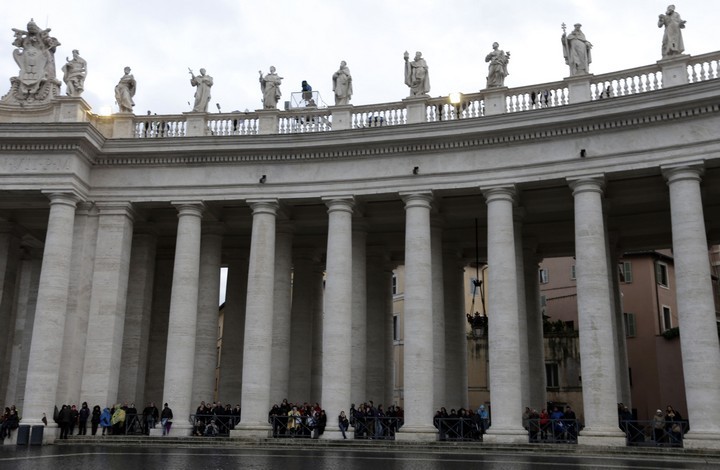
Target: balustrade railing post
(73,109)
(579,88)
(674,71)
(341,117)
(123,126)
(416,109)
(195,124)
(495,100)
(268,121)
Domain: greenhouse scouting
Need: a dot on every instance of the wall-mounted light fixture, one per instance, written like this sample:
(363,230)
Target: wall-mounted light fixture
(416,170)
(263,178)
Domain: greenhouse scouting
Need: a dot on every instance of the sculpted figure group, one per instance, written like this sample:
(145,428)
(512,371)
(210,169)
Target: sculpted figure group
(36,81)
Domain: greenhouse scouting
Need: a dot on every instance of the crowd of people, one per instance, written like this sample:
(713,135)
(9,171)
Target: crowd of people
(665,428)
(372,422)
(9,422)
(214,419)
(295,420)
(115,420)
(556,426)
(461,424)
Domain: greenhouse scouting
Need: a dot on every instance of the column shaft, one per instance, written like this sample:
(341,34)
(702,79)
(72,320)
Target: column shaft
(595,317)
(360,331)
(49,322)
(503,321)
(206,335)
(536,345)
(301,323)
(257,352)
(233,333)
(182,324)
(696,309)
(438,312)
(281,334)
(456,390)
(337,321)
(418,382)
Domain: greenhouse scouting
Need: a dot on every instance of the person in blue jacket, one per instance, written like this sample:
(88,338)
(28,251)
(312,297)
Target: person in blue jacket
(105,423)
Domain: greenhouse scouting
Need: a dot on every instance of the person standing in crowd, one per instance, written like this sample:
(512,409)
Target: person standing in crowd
(166,418)
(64,419)
(150,417)
(74,417)
(95,419)
(344,423)
(83,416)
(106,421)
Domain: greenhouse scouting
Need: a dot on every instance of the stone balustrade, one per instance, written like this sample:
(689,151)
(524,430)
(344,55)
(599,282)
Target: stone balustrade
(682,70)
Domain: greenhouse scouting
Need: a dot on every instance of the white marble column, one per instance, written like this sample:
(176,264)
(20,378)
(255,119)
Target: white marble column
(419,340)
(49,323)
(360,332)
(595,317)
(619,334)
(301,322)
(78,309)
(376,325)
(257,351)
(233,333)
(456,385)
(537,386)
(180,352)
(503,320)
(696,309)
(389,341)
(101,370)
(28,275)
(206,333)
(157,347)
(337,320)
(318,318)
(438,311)
(9,260)
(281,333)
(522,310)
(136,334)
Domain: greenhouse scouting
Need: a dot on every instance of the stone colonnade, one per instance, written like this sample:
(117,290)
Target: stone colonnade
(255,374)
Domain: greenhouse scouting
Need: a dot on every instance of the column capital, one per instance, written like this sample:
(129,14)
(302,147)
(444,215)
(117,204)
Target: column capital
(195,208)
(692,171)
(595,183)
(500,193)
(264,206)
(339,203)
(417,199)
(66,198)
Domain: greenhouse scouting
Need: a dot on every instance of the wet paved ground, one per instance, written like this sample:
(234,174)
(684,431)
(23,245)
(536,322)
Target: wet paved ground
(97,457)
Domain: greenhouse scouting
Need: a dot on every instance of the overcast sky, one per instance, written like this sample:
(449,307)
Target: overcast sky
(307,39)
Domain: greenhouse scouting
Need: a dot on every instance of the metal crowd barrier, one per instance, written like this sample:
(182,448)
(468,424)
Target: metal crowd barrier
(554,431)
(381,428)
(646,434)
(134,424)
(202,424)
(295,427)
(458,429)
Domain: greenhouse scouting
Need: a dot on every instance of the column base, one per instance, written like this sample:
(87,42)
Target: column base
(506,436)
(602,437)
(252,431)
(175,431)
(701,440)
(335,434)
(417,434)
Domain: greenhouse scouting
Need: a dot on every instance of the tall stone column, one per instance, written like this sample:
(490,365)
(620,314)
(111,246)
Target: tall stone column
(337,321)
(159,319)
(301,324)
(419,341)
(504,320)
(376,324)
(360,332)
(595,317)
(536,346)
(696,310)
(9,260)
(108,297)
(46,345)
(318,318)
(233,333)
(28,276)
(621,359)
(136,334)
(438,311)
(281,333)
(180,355)
(389,341)
(78,310)
(257,352)
(522,311)
(456,388)
(206,335)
